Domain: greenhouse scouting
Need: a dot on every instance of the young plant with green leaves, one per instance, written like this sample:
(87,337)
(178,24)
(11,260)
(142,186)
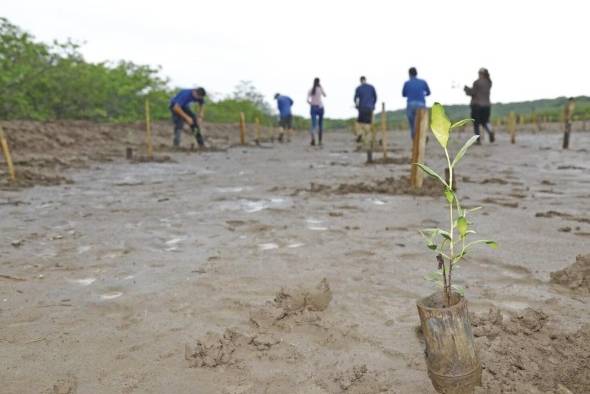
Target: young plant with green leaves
(452,245)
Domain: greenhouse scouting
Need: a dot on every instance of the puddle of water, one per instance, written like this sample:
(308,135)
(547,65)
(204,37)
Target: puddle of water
(268,246)
(83,282)
(235,189)
(111,296)
(295,245)
(175,241)
(254,206)
(317,228)
(313,221)
(83,249)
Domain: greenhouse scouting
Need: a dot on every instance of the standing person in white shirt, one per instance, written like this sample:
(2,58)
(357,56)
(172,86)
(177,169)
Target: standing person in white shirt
(314,99)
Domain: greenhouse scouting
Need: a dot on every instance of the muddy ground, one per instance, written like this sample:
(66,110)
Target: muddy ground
(205,273)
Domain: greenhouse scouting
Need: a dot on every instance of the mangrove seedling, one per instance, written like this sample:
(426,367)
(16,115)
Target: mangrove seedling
(452,245)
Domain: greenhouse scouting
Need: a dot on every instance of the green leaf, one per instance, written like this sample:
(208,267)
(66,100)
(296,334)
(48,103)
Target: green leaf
(440,124)
(433,276)
(430,239)
(461,123)
(491,244)
(462,226)
(458,289)
(463,149)
(431,172)
(449,194)
(445,234)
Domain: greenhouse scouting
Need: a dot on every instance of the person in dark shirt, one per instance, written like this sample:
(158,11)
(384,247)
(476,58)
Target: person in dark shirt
(284,104)
(365,98)
(415,90)
(181,113)
(481,105)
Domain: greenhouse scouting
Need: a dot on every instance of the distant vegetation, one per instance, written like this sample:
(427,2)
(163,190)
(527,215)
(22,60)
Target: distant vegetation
(40,81)
(550,109)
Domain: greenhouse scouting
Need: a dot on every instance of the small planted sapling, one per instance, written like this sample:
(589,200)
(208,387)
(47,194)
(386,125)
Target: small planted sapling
(452,245)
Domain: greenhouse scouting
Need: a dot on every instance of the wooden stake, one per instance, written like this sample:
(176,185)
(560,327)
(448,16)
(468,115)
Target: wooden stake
(512,127)
(148,130)
(568,113)
(242,129)
(419,144)
(384,130)
(7,156)
(257,131)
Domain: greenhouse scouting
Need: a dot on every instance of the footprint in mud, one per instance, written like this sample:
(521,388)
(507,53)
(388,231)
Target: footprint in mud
(66,385)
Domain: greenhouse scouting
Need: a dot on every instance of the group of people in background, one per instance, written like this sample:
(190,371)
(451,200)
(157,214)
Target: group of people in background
(415,90)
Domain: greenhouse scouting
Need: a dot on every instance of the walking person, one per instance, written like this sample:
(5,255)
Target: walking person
(415,90)
(284,104)
(365,98)
(481,105)
(314,99)
(181,113)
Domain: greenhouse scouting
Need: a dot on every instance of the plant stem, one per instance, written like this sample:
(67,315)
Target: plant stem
(451,233)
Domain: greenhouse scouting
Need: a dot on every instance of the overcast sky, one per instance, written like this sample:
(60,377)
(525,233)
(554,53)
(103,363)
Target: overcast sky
(533,49)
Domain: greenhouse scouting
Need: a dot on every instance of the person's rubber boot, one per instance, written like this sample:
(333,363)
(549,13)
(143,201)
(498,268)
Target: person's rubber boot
(492,137)
(312,141)
(198,136)
(320,138)
(280,137)
(478,141)
(359,138)
(200,140)
(369,156)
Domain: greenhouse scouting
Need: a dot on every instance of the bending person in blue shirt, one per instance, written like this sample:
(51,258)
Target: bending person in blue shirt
(365,98)
(284,104)
(415,90)
(181,113)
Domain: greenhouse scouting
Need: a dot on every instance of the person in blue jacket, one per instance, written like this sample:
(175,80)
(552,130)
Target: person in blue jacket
(181,113)
(415,90)
(284,104)
(365,98)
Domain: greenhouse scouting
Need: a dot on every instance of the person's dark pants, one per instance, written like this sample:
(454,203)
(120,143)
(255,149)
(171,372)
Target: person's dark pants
(317,121)
(411,109)
(481,117)
(179,123)
(365,116)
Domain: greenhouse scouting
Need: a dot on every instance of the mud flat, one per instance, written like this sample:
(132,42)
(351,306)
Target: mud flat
(225,272)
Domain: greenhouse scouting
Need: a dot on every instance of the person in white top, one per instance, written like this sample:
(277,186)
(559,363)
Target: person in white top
(314,99)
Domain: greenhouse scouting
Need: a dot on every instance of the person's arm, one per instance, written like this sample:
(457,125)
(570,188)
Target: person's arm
(309,97)
(427,89)
(178,110)
(404,90)
(323,93)
(469,90)
(356,98)
(291,101)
